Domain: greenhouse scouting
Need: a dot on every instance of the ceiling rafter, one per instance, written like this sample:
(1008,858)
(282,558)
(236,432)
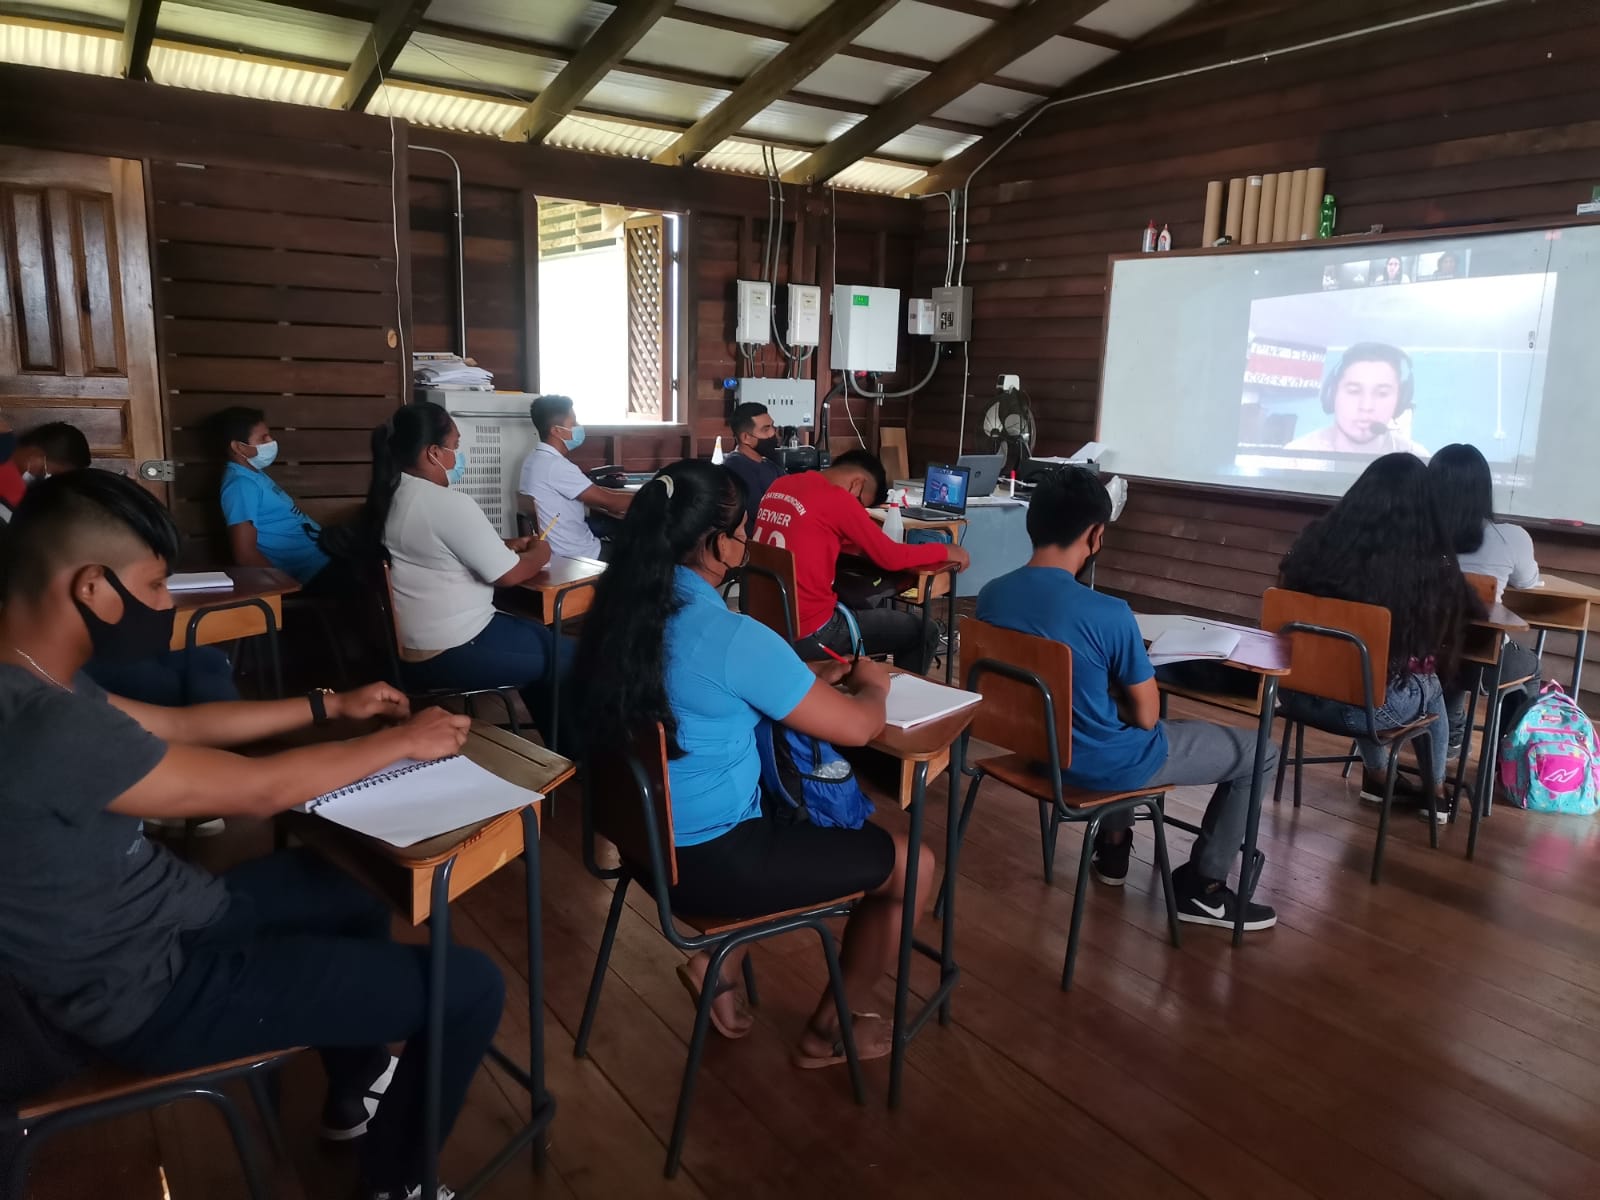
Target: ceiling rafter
(1002,43)
(391,30)
(649,70)
(629,21)
(139,32)
(823,37)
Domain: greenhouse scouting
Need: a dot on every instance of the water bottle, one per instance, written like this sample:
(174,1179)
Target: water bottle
(894,526)
(716,451)
(1327,217)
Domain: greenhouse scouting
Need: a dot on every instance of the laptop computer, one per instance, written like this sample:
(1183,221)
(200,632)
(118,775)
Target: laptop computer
(985,470)
(944,494)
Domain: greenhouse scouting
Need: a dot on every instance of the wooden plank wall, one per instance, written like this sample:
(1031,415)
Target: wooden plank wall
(1487,117)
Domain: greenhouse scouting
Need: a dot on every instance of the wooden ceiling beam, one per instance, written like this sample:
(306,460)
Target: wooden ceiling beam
(629,21)
(390,32)
(138,34)
(1003,42)
(998,12)
(824,36)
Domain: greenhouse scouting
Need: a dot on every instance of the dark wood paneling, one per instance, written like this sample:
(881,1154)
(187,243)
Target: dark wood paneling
(1488,117)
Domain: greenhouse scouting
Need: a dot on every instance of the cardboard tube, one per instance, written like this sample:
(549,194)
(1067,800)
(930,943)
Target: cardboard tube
(1280,211)
(1234,221)
(1269,203)
(1316,180)
(1213,223)
(1297,205)
(1252,210)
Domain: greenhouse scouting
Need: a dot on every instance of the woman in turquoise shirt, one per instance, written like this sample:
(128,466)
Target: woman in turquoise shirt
(659,644)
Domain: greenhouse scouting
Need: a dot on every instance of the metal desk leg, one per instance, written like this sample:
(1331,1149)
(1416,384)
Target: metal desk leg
(555,669)
(1577,665)
(927,613)
(908,924)
(1488,753)
(538,1098)
(433,1068)
(950,633)
(1248,870)
(952,849)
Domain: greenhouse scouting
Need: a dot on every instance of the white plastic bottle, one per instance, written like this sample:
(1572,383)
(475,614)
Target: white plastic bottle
(894,525)
(716,451)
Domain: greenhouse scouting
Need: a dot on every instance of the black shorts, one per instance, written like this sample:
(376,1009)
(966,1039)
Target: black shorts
(770,864)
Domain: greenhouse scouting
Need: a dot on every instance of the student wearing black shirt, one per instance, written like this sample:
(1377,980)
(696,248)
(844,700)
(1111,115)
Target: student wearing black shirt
(754,459)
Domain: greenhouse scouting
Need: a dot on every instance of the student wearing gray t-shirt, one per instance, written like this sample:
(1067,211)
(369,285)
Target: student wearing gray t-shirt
(1463,490)
(153,963)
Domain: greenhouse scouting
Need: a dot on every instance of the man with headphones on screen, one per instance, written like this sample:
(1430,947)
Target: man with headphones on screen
(1368,388)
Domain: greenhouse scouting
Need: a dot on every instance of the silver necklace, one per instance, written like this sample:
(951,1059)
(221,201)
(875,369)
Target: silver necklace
(34,663)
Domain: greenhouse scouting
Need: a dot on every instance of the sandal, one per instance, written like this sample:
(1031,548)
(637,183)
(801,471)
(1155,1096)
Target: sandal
(836,1054)
(725,985)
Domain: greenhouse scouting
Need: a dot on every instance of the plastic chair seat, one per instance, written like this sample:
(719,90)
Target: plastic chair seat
(1033,779)
(719,925)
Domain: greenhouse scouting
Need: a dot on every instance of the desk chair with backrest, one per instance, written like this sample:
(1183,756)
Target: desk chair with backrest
(1339,651)
(769,591)
(627,800)
(506,694)
(1020,677)
(61,1089)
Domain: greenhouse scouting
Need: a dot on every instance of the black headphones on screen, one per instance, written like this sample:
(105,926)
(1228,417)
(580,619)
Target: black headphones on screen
(1370,352)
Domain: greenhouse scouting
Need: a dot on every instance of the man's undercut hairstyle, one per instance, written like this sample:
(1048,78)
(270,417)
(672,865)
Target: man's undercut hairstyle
(62,443)
(1067,503)
(234,424)
(548,412)
(85,518)
(868,464)
(744,417)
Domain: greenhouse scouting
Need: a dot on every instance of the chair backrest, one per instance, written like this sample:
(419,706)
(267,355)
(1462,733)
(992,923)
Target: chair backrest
(769,591)
(1322,664)
(1487,587)
(628,794)
(999,663)
(388,592)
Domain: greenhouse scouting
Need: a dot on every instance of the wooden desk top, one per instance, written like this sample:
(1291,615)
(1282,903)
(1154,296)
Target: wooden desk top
(266,584)
(880,515)
(405,874)
(1555,585)
(249,583)
(563,573)
(1259,651)
(1502,618)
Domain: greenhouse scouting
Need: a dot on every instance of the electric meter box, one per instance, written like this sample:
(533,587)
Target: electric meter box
(805,314)
(919,317)
(753,323)
(867,325)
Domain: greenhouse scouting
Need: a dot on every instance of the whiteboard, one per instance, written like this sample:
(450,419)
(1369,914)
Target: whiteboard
(1289,370)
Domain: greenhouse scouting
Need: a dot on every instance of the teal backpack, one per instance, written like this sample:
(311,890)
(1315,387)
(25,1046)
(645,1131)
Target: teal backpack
(1550,761)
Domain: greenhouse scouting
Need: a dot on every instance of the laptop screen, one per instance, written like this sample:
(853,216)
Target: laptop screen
(946,487)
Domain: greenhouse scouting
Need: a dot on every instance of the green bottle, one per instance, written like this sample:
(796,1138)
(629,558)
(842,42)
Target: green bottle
(1329,214)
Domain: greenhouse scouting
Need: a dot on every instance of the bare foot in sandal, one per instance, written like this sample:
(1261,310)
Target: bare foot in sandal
(728,1012)
(874,1036)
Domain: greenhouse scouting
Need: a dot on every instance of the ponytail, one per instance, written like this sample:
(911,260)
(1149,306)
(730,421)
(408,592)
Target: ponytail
(397,444)
(621,662)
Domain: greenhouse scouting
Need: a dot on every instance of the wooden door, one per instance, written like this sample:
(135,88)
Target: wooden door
(77,327)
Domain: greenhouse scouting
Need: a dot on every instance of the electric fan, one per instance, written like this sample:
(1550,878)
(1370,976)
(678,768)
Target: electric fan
(1009,421)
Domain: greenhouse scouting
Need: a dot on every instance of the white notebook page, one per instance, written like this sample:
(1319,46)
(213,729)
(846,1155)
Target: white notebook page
(408,802)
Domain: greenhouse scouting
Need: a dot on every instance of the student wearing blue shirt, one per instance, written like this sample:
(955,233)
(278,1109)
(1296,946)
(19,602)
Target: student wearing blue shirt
(265,526)
(1119,741)
(659,644)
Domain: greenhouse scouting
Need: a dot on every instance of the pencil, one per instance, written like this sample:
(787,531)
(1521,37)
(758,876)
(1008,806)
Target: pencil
(549,527)
(838,658)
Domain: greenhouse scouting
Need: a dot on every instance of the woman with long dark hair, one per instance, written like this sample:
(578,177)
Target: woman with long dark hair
(445,561)
(1384,544)
(659,644)
(1463,491)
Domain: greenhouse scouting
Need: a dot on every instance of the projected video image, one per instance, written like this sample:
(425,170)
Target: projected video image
(1370,366)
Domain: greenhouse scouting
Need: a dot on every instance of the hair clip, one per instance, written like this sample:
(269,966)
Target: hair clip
(666,482)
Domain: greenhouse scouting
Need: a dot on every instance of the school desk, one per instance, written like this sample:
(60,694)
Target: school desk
(565,588)
(1561,605)
(920,588)
(251,608)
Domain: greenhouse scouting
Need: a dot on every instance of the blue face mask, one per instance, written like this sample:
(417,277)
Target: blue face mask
(266,455)
(575,438)
(458,469)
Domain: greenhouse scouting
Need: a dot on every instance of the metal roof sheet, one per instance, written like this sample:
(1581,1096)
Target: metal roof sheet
(1055,62)
(870,175)
(652,99)
(1134,18)
(986,104)
(266,29)
(466,64)
(673,43)
(923,30)
(859,80)
(444,110)
(234,75)
(40,46)
(603,135)
(786,14)
(564,22)
(922,144)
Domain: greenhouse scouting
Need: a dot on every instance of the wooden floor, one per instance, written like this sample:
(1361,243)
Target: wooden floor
(1435,1035)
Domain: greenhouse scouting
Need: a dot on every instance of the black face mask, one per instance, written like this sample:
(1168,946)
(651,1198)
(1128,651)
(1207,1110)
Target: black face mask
(767,447)
(143,632)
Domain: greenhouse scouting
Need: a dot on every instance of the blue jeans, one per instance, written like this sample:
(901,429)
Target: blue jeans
(510,652)
(171,680)
(302,957)
(1407,701)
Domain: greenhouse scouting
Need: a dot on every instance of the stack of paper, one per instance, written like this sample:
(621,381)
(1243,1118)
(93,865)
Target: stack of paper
(409,801)
(914,701)
(450,372)
(1188,639)
(200,581)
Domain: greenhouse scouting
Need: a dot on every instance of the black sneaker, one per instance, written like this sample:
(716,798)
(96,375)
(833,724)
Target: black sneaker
(1110,862)
(1211,902)
(1408,797)
(345,1118)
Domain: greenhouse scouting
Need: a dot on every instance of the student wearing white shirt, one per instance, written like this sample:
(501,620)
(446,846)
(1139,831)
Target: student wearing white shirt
(1463,492)
(558,490)
(445,560)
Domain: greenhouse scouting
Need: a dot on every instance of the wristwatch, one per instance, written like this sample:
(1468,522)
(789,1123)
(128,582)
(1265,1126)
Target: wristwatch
(319,705)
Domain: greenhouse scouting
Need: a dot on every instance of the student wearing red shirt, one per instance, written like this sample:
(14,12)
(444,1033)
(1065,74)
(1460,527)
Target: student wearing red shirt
(819,515)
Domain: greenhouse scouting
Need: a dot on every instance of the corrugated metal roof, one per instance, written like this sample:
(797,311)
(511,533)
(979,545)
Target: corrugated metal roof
(786,121)
(1058,60)
(986,104)
(235,75)
(466,64)
(921,29)
(444,110)
(602,135)
(564,22)
(859,80)
(267,29)
(622,91)
(673,43)
(869,175)
(37,46)
(921,144)
(744,156)
(104,10)
(786,14)
(1134,18)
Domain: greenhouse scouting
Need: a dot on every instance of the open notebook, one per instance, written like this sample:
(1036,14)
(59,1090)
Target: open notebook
(409,801)
(1187,639)
(914,701)
(200,581)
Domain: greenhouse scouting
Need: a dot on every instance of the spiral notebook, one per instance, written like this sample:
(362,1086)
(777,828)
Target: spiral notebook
(409,801)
